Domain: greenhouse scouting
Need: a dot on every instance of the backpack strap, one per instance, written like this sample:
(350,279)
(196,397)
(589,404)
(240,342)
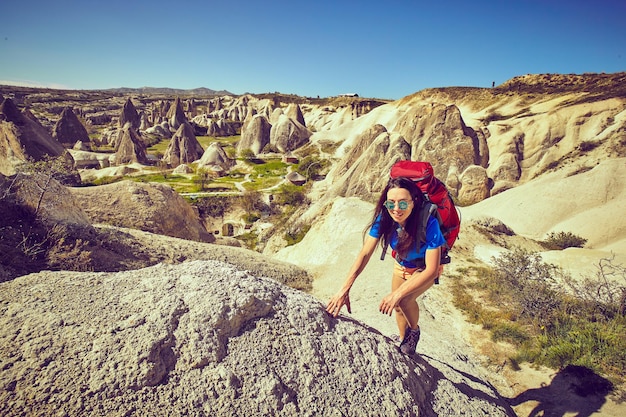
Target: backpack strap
(429,209)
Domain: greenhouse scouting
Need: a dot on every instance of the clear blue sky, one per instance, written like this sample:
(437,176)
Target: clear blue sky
(383,48)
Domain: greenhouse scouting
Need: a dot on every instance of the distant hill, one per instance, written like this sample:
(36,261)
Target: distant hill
(201,91)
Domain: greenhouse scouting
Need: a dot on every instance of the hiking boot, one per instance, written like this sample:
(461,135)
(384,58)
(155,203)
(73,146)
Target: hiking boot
(409,343)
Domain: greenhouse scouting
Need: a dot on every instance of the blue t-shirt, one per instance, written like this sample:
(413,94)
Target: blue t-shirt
(434,239)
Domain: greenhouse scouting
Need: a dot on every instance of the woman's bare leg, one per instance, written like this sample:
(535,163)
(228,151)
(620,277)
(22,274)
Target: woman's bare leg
(408,312)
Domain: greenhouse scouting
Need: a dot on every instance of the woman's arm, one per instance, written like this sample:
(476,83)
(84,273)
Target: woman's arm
(419,281)
(343,296)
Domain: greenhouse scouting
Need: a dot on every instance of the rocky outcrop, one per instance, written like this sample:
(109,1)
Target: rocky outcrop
(91,160)
(287,134)
(475,185)
(176,115)
(183,147)
(130,147)
(364,170)
(215,156)
(68,130)
(438,134)
(294,112)
(255,134)
(161,130)
(204,338)
(183,169)
(153,207)
(52,202)
(23,138)
(129,115)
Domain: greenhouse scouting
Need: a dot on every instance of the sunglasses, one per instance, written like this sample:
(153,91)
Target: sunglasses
(402,205)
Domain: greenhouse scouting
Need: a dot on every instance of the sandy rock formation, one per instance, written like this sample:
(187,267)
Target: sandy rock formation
(55,205)
(144,123)
(176,115)
(153,207)
(218,127)
(162,130)
(23,138)
(255,134)
(129,115)
(183,169)
(204,338)
(91,160)
(130,147)
(294,112)
(68,130)
(364,170)
(287,134)
(215,155)
(475,185)
(183,148)
(438,134)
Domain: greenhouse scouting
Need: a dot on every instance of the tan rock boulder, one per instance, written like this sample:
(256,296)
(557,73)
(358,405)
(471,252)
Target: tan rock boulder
(364,171)
(475,185)
(294,112)
(152,207)
(205,338)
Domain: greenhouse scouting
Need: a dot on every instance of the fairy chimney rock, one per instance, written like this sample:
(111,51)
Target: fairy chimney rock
(68,130)
(130,147)
(216,156)
(255,135)
(129,115)
(294,112)
(176,114)
(26,139)
(183,147)
(287,134)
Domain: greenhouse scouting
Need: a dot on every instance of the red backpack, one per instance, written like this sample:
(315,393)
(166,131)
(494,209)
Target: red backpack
(435,191)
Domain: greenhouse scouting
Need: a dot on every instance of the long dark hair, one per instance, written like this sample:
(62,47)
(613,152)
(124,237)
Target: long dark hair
(412,232)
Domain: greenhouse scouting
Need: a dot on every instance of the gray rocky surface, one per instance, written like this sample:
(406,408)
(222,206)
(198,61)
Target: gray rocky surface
(204,338)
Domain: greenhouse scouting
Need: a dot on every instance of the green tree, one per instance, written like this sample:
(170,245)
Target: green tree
(202,178)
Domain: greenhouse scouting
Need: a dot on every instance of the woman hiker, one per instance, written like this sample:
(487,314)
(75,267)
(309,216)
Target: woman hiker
(396,222)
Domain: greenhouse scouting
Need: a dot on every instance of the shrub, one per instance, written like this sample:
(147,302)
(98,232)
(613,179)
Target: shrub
(534,283)
(67,253)
(587,146)
(247,154)
(524,301)
(563,240)
(214,206)
(295,236)
(290,195)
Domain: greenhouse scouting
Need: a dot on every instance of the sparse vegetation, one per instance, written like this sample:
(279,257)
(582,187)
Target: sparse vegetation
(296,234)
(588,146)
(27,242)
(563,240)
(290,196)
(494,117)
(526,302)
